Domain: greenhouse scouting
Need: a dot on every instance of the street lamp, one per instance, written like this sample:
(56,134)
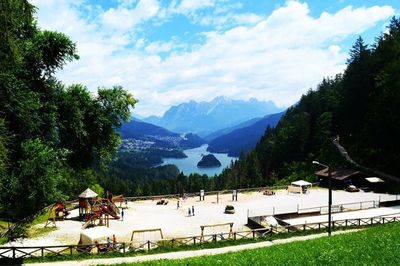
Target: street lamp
(330,195)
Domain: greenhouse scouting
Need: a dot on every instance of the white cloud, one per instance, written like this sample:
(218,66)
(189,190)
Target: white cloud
(187,6)
(124,17)
(276,57)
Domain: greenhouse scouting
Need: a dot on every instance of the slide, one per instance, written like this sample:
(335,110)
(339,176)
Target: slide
(109,212)
(91,219)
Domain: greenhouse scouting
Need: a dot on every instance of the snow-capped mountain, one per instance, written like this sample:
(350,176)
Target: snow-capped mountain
(205,117)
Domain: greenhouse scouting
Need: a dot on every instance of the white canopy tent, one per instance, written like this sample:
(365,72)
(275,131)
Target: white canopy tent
(299,186)
(301,183)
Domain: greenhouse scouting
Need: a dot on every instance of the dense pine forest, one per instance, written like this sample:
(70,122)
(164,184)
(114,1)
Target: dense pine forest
(56,140)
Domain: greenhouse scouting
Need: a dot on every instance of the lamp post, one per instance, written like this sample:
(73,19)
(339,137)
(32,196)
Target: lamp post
(329,195)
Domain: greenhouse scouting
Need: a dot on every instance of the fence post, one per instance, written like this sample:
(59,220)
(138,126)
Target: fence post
(13,252)
(42,251)
(234,235)
(70,250)
(270,234)
(383,220)
(194,240)
(148,245)
(123,247)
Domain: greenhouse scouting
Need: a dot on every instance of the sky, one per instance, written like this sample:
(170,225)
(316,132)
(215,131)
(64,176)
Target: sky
(169,52)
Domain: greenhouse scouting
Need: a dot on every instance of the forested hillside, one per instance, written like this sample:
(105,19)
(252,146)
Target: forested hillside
(360,107)
(54,140)
(243,139)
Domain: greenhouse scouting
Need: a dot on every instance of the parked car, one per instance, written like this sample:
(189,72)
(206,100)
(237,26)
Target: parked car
(352,188)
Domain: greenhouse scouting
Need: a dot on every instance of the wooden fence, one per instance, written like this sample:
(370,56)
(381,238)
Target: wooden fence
(15,252)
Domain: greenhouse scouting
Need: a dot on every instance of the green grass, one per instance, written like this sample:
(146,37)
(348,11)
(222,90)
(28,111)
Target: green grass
(36,230)
(377,245)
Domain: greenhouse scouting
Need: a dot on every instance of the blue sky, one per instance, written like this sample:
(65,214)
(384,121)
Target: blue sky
(168,52)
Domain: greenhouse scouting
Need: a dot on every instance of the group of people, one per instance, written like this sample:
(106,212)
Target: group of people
(108,246)
(190,210)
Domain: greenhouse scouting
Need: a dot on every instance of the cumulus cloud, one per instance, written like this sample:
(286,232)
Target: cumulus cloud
(275,56)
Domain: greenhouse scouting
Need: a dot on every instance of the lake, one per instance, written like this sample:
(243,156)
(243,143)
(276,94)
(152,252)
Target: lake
(189,165)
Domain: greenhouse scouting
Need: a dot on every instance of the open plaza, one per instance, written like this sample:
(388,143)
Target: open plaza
(175,221)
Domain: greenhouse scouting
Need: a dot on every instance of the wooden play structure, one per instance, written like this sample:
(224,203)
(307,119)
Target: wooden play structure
(57,212)
(149,236)
(120,199)
(97,211)
(215,229)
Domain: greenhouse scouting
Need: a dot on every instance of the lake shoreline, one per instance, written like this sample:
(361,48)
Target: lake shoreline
(189,166)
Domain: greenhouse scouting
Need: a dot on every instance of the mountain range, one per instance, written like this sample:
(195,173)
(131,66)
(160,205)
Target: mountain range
(203,118)
(244,137)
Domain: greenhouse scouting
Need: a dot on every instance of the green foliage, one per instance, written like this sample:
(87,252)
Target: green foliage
(98,189)
(53,140)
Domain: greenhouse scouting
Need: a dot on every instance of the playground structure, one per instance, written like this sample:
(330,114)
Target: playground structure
(94,210)
(57,212)
(146,236)
(216,229)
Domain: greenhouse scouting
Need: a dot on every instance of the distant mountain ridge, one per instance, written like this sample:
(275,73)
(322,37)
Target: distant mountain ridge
(244,138)
(204,118)
(160,137)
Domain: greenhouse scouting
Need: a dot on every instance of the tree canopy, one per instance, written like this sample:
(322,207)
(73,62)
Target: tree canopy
(51,136)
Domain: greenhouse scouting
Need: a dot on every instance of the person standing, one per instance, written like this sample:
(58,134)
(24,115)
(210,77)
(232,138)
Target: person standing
(189,212)
(177,205)
(122,214)
(108,244)
(193,210)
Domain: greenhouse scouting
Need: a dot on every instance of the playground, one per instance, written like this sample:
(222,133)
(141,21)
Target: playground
(175,221)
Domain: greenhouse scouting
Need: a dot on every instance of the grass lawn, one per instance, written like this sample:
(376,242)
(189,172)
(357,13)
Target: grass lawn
(377,245)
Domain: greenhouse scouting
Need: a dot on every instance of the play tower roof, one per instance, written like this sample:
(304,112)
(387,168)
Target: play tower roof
(88,194)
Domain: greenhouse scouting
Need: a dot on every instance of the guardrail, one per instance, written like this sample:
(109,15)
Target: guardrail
(15,252)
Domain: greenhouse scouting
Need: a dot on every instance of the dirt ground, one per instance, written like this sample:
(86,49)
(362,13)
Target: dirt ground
(176,222)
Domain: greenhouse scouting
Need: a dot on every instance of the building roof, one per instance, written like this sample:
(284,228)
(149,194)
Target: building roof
(340,174)
(88,194)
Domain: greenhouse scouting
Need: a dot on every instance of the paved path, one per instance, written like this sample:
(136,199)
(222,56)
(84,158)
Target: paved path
(185,254)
